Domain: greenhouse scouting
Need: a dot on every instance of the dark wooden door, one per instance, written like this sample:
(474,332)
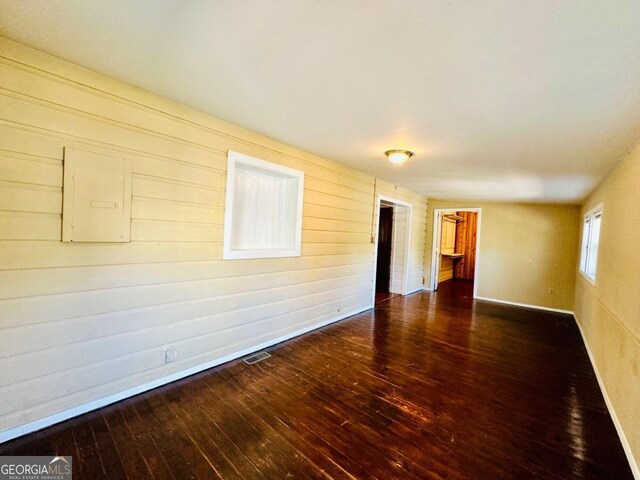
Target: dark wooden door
(466,244)
(383,268)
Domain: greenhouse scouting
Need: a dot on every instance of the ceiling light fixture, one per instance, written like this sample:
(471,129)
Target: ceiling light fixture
(398,156)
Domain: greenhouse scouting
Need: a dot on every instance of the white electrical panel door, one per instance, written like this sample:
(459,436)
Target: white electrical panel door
(96,198)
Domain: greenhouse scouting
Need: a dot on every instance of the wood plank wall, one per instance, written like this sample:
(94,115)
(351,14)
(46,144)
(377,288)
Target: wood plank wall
(466,244)
(447,245)
(81,322)
(446,269)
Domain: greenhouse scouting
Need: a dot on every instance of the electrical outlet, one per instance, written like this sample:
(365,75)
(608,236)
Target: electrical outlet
(170,355)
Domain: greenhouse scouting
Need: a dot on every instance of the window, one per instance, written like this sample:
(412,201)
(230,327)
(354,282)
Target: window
(590,242)
(263,212)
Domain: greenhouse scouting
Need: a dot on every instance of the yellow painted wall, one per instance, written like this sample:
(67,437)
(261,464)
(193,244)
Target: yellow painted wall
(609,311)
(81,322)
(527,251)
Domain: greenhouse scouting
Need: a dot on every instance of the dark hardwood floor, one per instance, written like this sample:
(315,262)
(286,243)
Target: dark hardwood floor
(384,296)
(429,386)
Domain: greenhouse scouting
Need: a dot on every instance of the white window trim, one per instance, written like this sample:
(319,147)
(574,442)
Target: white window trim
(591,214)
(228,252)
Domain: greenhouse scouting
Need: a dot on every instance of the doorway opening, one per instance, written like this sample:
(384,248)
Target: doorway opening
(392,248)
(456,248)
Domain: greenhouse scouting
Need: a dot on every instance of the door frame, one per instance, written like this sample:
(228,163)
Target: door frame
(407,243)
(437,239)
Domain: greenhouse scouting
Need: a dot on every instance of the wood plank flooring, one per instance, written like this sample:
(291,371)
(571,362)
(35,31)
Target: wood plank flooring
(384,296)
(429,386)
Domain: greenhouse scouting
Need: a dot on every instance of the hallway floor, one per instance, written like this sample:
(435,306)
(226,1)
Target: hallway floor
(384,296)
(429,386)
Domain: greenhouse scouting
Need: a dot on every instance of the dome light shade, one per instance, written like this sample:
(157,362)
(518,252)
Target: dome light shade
(398,156)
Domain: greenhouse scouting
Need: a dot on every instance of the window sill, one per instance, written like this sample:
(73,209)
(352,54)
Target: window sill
(246,254)
(592,281)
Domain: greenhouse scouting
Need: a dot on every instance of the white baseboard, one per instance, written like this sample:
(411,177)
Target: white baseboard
(525,305)
(427,289)
(116,397)
(419,289)
(635,469)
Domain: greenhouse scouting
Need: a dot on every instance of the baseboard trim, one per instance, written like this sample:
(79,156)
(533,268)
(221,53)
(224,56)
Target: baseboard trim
(525,305)
(116,397)
(635,469)
(427,289)
(410,292)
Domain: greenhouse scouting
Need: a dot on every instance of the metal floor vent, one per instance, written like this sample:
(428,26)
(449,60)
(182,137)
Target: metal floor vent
(255,358)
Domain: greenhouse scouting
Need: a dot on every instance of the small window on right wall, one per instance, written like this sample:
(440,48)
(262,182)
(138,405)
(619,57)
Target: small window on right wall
(590,242)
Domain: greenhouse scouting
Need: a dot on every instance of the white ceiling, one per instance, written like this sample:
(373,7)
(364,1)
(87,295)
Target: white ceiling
(500,100)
